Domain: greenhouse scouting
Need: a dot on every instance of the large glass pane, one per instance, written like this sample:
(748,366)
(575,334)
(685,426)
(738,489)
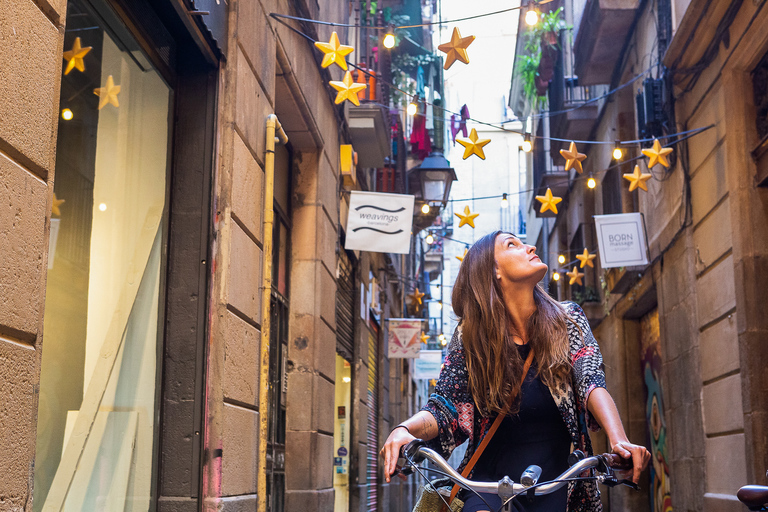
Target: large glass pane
(97,416)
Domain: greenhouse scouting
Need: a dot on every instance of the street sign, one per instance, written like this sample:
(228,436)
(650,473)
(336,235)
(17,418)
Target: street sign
(621,238)
(379,222)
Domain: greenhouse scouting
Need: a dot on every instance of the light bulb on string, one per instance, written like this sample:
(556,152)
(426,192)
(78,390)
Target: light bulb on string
(389,38)
(556,276)
(442,339)
(430,239)
(504,201)
(531,16)
(561,259)
(591,183)
(67,114)
(617,152)
(527,144)
(425,208)
(411,109)
(439,305)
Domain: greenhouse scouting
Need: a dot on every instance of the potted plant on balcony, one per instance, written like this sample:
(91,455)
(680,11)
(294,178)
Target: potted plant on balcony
(536,65)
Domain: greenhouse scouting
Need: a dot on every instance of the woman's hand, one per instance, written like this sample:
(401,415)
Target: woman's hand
(639,455)
(398,438)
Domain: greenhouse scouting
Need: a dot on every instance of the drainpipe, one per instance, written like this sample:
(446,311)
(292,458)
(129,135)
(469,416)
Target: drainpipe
(275,134)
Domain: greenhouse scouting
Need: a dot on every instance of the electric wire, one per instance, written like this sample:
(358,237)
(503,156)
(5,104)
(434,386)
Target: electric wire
(278,17)
(394,27)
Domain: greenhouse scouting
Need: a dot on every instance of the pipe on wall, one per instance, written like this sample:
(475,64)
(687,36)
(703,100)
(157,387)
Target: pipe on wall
(275,134)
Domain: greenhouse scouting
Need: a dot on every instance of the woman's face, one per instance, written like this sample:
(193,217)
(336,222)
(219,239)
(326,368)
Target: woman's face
(517,262)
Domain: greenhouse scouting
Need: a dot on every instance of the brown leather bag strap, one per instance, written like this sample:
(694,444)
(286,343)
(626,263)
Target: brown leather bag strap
(489,435)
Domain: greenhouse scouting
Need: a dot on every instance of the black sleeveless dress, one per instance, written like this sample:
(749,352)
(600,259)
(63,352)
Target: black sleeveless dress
(535,435)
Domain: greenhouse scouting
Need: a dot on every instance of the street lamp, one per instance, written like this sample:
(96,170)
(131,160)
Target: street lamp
(435,176)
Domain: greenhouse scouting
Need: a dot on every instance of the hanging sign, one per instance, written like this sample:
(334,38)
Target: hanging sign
(404,338)
(621,239)
(428,365)
(379,222)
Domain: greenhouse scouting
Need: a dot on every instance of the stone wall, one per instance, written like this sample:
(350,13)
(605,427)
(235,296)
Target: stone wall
(32,34)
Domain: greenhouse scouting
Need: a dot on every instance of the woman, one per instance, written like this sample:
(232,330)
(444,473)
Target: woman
(504,315)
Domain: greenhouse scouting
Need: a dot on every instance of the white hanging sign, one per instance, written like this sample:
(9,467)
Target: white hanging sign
(621,239)
(428,365)
(404,340)
(379,222)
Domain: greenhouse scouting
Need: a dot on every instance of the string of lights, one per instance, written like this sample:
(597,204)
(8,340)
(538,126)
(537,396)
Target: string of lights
(499,125)
(527,135)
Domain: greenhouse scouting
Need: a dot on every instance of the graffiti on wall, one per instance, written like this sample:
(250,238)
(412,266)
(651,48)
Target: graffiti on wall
(650,359)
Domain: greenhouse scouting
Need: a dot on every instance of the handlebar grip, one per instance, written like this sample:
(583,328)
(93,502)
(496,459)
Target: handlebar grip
(618,462)
(411,450)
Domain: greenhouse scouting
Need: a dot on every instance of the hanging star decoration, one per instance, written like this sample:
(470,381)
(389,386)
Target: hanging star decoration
(334,52)
(575,276)
(473,146)
(548,201)
(586,259)
(108,94)
(456,49)
(461,258)
(657,155)
(467,217)
(348,89)
(573,158)
(55,210)
(416,297)
(424,337)
(74,57)
(637,179)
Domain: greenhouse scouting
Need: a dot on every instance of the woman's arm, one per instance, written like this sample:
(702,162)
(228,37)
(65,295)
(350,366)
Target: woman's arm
(603,409)
(421,425)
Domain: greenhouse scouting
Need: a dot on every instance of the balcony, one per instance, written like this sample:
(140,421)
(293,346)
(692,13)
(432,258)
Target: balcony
(602,30)
(369,124)
(579,105)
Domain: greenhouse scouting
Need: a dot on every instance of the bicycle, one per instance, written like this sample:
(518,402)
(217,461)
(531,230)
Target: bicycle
(415,452)
(755,497)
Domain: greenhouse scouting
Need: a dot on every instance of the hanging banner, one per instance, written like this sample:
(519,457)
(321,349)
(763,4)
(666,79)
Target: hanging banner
(621,239)
(379,222)
(428,365)
(404,340)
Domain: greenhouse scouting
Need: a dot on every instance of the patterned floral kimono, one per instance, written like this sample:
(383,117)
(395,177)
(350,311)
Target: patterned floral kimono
(459,420)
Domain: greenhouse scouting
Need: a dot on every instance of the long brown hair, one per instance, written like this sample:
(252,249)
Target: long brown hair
(493,362)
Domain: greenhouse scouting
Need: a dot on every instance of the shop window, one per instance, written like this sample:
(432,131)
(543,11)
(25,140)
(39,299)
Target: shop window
(97,417)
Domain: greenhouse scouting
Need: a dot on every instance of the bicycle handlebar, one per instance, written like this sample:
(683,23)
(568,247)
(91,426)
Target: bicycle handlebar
(416,451)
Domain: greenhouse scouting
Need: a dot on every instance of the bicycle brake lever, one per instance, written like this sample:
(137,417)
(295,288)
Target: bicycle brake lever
(629,483)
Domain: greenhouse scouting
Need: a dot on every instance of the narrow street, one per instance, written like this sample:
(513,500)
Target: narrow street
(243,253)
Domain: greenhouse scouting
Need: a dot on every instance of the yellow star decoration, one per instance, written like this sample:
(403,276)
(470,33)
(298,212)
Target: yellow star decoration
(473,146)
(657,155)
(461,258)
(548,201)
(456,49)
(334,52)
(637,179)
(424,337)
(74,57)
(586,259)
(108,94)
(55,210)
(573,158)
(575,275)
(348,89)
(416,297)
(467,218)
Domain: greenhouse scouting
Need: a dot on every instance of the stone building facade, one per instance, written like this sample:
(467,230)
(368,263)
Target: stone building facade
(681,335)
(134,372)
